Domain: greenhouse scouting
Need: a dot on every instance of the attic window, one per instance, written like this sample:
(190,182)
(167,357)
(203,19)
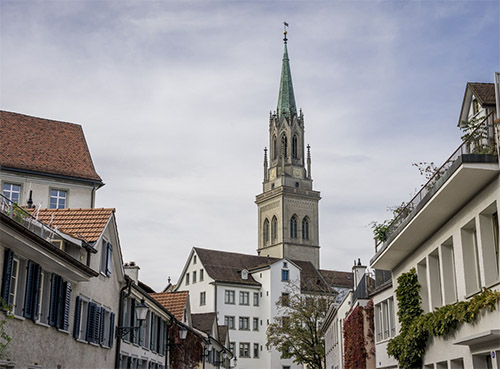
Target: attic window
(194,259)
(244,274)
(475,106)
(285,264)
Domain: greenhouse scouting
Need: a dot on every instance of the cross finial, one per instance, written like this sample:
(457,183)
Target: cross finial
(285,24)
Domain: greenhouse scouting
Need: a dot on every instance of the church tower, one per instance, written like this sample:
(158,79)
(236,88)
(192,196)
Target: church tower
(288,206)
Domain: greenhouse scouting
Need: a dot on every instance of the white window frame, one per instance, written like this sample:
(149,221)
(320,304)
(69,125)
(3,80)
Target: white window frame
(244,298)
(57,196)
(10,191)
(229,297)
(244,323)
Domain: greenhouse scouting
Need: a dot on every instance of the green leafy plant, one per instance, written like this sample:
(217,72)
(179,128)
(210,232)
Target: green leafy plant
(475,133)
(410,345)
(5,339)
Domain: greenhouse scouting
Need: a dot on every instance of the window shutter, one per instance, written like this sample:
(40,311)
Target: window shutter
(65,308)
(7,274)
(54,292)
(60,303)
(109,258)
(37,278)
(28,299)
(164,342)
(101,325)
(132,321)
(76,322)
(97,325)
(90,322)
(111,328)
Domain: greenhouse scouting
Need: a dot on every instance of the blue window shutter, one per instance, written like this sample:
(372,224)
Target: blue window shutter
(111,328)
(91,322)
(102,324)
(7,274)
(76,322)
(60,303)
(37,278)
(54,294)
(97,325)
(28,298)
(66,305)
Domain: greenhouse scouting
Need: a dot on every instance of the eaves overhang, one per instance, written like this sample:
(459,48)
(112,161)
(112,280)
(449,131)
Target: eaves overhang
(468,175)
(31,246)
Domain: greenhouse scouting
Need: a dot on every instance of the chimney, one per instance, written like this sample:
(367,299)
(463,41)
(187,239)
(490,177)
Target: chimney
(132,271)
(358,271)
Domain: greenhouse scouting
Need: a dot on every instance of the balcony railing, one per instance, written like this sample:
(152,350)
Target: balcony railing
(24,218)
(479,141)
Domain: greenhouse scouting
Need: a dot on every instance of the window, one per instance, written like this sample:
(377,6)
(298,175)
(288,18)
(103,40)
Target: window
(449,276)
(12,192)
(255,324)
(284,275)
(305,229)
(284,143)
(232,347)
(43,310)
(435,277)
(57,199)
(194,259)
(244,349)
(93,323)
(194,276)
(384,320)
(244,323)
(244,298)
(488,230)
(293,227)
(274,229)
(265,234)
(275,154)
(295,153)
(201,275)
(229,321)
(229,296)
(106,258)
(187,279)
(471,253)
(203,298)
(255,299)
(255,350)
(285,299)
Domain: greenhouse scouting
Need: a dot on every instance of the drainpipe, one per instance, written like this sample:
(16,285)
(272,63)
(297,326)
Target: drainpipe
(120,317)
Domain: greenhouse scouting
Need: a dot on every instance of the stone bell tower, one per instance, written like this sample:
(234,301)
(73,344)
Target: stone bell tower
(288,206)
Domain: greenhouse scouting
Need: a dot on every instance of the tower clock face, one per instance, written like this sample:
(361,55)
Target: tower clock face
(297,173)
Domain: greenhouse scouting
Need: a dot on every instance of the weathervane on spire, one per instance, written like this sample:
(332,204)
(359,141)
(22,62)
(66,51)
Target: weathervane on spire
(285,24)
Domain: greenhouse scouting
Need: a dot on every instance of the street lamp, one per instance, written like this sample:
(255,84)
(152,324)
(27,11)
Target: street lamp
(141,311)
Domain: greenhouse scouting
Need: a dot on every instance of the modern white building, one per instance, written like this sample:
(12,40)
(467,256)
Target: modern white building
(449,233)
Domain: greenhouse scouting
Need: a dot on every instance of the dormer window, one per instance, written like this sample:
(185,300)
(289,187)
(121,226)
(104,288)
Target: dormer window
(244,274)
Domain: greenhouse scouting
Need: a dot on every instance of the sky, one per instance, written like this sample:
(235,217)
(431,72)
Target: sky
(174,99)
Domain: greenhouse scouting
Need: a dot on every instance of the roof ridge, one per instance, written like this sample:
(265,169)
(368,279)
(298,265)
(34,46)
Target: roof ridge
(34,116)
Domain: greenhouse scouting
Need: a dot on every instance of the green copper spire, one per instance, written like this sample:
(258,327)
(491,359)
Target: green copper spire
(286,98)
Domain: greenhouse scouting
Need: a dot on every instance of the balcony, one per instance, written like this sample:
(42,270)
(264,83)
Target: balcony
(472,166)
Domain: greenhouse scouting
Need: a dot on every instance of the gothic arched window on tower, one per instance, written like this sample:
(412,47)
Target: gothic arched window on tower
(295,154)
(266,231)
(293,227)
(284,143)
(275,148)
(274,229)
(305,228)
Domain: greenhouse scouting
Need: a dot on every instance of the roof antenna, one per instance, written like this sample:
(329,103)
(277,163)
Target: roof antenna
(285,24)
(168,279)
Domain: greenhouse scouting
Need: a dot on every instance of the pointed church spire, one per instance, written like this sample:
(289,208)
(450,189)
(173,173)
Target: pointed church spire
(286,98)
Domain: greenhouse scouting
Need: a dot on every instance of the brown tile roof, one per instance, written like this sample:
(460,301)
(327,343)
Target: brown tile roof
(338,279)
(485,92)
(310,279)
(86,224)
(223,333)
(175,302)
(204,321)
(225,266)
(43,145)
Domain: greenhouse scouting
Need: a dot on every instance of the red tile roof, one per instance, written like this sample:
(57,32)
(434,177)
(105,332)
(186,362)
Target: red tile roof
(85,224)
(204,322)
(175,302)
(46,146)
